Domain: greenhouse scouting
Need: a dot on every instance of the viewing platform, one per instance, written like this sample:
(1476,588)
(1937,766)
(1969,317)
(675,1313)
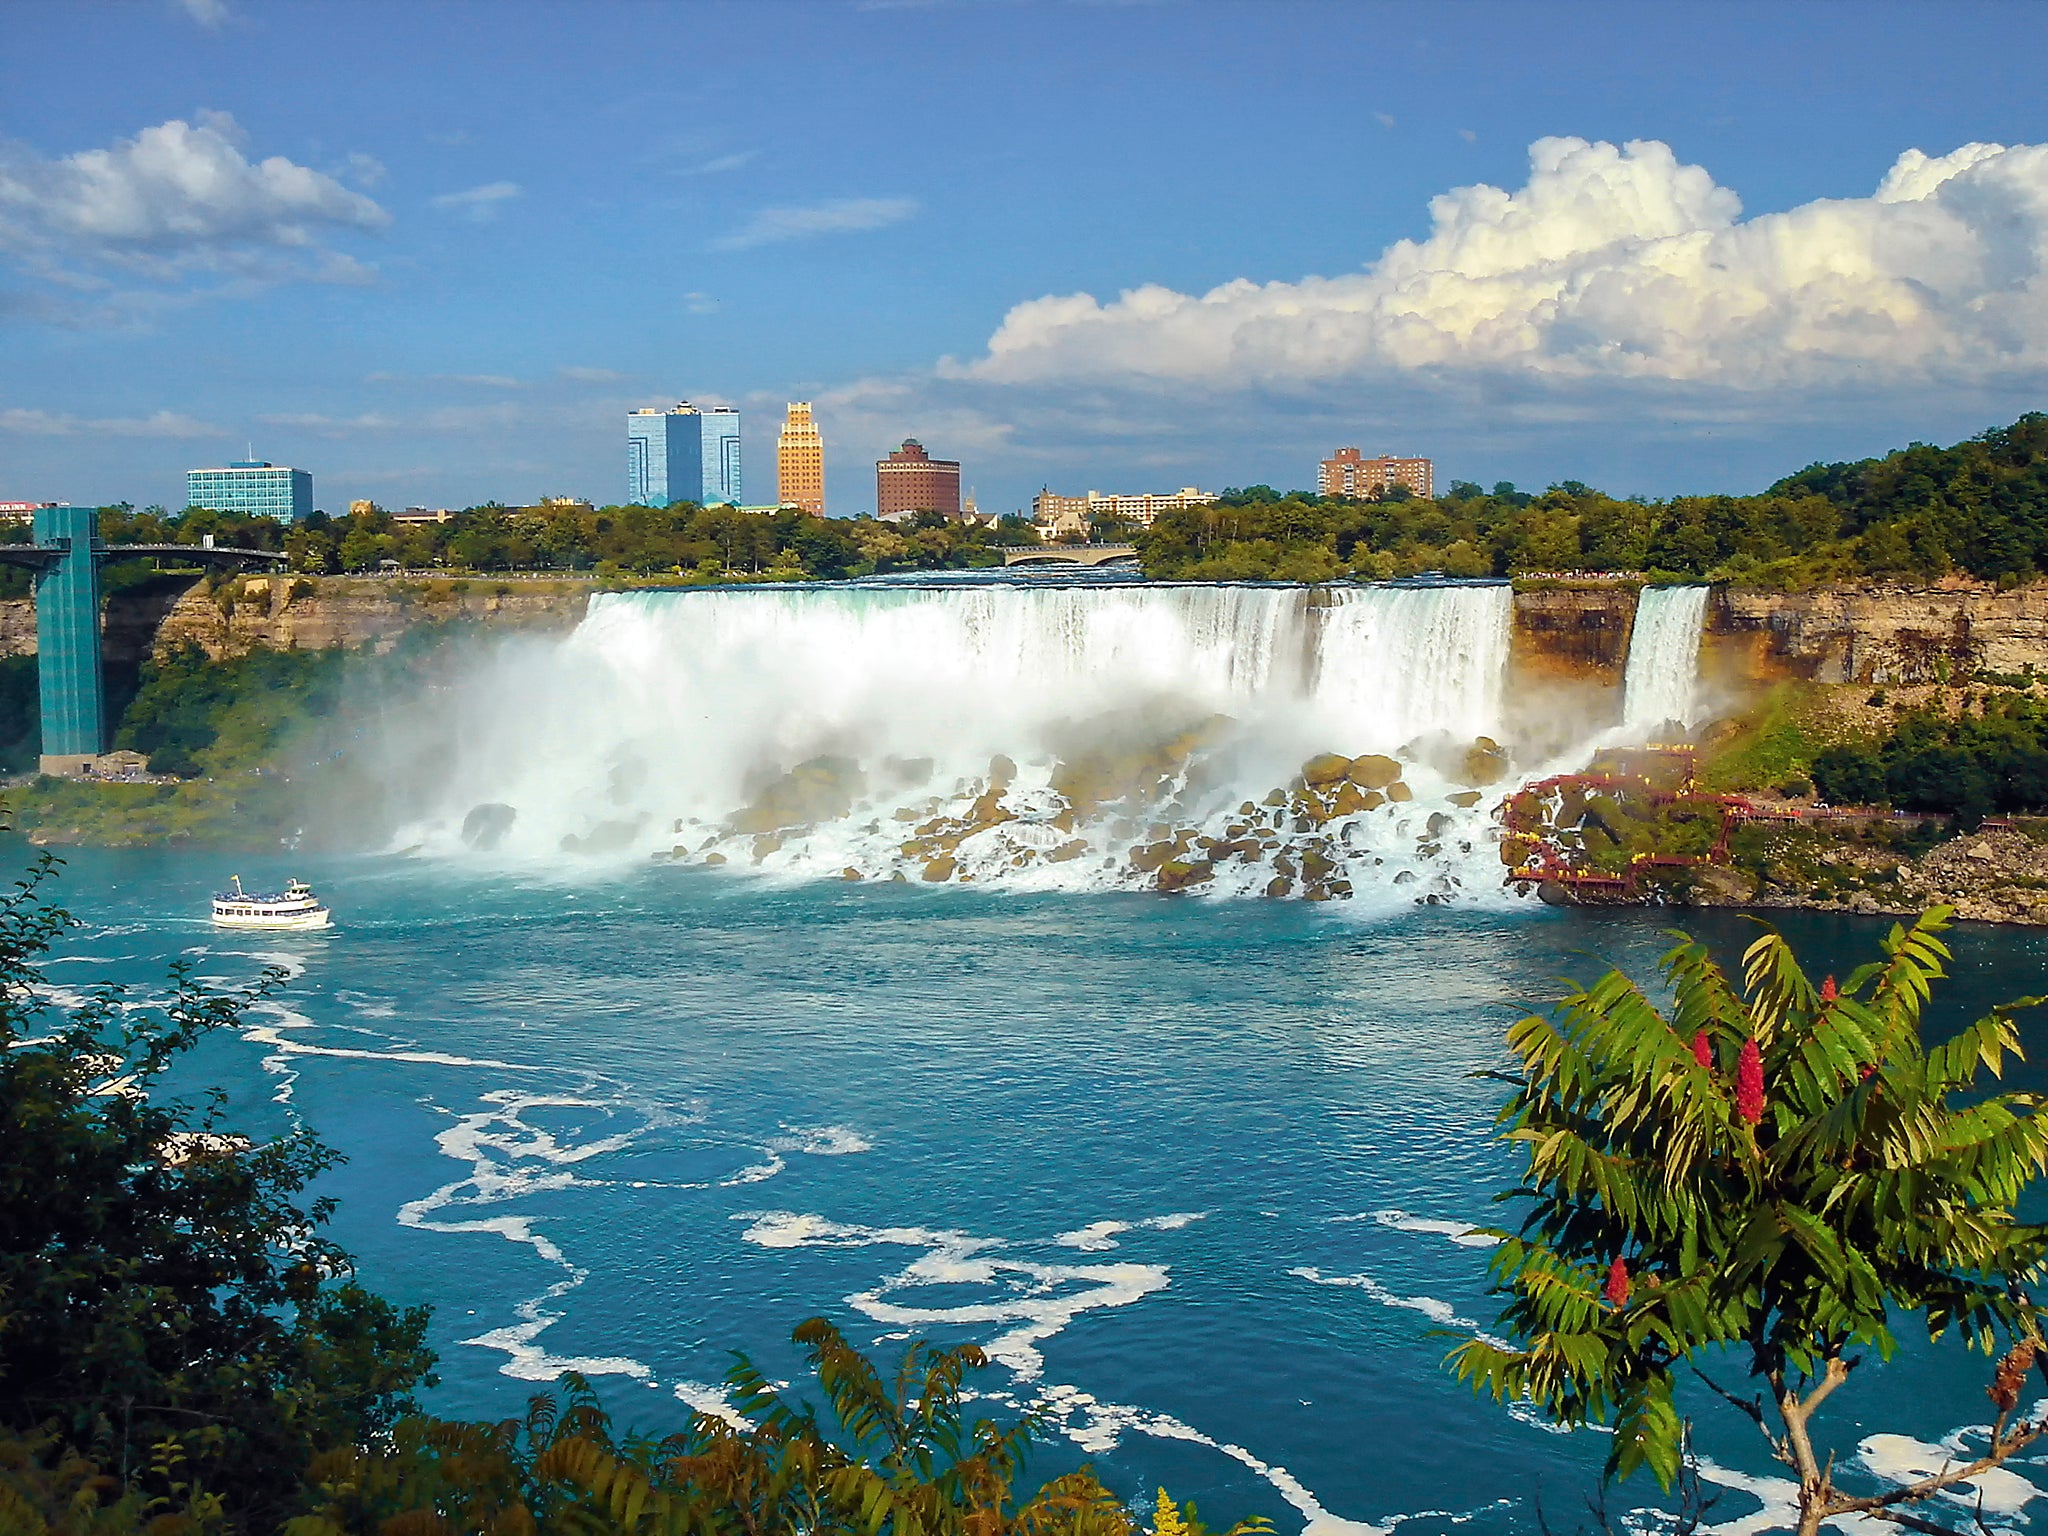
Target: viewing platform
(1072,554)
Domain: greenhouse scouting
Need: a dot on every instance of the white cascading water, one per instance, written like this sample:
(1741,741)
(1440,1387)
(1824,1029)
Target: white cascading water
(667,722)
(1394,663)
(1661,684)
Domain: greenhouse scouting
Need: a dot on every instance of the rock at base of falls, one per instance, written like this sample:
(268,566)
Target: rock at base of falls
(486,825)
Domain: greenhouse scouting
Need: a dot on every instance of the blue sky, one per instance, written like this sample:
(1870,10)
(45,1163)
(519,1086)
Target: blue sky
(433,251)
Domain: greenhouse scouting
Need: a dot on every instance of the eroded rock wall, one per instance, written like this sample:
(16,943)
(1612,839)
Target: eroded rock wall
(311,613)
(1574,630)
(1859,634)
(1885,634)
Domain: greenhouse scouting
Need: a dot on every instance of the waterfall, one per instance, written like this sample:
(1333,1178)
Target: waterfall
(1050,734)
(1394,663)
(1659,686)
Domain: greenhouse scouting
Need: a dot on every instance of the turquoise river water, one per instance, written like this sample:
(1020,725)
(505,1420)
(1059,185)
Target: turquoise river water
(1199,1174)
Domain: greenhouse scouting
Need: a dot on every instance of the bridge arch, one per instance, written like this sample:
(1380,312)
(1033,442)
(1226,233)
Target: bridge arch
(1072,554)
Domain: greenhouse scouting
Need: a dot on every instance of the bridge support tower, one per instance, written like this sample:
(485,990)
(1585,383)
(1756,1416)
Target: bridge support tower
(66,558)
(74,695)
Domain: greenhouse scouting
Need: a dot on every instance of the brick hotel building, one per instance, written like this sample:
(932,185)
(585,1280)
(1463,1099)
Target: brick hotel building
(911,480)
(1348,472)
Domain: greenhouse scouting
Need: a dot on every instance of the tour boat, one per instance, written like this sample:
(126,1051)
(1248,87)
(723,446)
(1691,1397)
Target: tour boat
(296,908)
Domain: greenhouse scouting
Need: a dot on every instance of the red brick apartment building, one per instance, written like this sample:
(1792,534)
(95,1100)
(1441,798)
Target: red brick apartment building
(1348,472)
(911,480)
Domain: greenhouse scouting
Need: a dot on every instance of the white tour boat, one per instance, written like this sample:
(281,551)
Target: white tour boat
(296,908)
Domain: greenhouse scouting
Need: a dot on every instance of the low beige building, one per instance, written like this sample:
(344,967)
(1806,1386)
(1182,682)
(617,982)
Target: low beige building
(1055,514)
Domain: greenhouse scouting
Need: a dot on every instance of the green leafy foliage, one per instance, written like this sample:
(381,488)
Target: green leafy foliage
(1972,764)
(721,543)
(187,702)
(168,1305)
(1979,507)
(891,1456)
(21,727)
(1859,1179)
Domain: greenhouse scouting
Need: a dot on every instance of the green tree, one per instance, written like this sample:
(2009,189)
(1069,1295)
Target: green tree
(168,1306)
(892,1455)
(1777,1170)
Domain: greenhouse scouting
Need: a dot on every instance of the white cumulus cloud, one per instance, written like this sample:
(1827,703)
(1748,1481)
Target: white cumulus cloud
(1617,263)
(846,215)
(177,198)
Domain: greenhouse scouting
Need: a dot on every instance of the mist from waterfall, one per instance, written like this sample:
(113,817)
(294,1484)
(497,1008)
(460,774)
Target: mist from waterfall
(1051,730)
(1661,683)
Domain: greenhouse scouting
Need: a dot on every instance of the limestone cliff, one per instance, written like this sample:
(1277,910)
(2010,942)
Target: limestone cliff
(308,612)
(1885,634)
(1845,634)
(1574,630)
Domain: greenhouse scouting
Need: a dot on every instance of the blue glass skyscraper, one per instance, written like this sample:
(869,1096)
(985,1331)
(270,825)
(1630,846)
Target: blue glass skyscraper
(684,454)
(254,487)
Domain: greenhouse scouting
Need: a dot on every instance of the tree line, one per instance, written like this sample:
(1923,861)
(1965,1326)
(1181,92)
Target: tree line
(1991,756)
(701,543)
(1979,508)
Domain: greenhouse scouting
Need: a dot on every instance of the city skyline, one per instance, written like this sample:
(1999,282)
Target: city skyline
(1513,276)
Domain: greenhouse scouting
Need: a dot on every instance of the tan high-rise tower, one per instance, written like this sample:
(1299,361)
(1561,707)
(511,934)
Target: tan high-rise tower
(800,461)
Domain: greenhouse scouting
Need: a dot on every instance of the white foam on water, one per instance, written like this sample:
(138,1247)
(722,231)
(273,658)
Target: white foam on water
(755,1173)
(1463,1233)
(369,1007)
(292,963)
(1440,1312)
(1901,1459)
(812,1141)
(822,1141)
(707,1399)
(1029,1308)
(510,1159)
(1098,1427)
(1099,1236)
(1034,1300)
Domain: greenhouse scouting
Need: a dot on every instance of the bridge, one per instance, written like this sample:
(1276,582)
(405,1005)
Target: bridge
(66,557)
(1072,554)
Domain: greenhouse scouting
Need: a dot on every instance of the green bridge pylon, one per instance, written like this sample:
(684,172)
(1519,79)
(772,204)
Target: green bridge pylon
(70,676)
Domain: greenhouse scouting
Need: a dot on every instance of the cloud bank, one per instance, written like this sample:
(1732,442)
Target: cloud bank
(1611,263)
(177,199)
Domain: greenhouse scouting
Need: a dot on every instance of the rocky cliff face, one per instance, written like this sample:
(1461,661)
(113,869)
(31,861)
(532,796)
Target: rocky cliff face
(307,612)
(1884,634)
(1574,630)
(1863,634)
